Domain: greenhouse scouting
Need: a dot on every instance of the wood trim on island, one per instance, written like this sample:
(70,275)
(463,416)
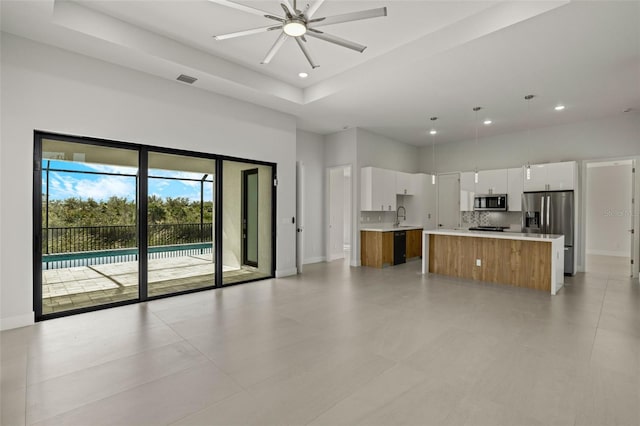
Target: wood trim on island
(533,262)
(515,262)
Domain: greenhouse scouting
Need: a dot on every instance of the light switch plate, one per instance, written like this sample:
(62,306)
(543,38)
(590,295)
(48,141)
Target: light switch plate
(478,262)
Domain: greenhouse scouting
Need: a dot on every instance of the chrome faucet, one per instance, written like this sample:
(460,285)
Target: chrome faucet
(404,215)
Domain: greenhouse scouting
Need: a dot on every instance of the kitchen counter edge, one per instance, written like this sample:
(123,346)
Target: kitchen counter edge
(489,234)
(393,229)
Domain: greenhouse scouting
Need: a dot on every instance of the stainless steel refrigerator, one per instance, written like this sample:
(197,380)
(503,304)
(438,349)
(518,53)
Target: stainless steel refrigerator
(551,213)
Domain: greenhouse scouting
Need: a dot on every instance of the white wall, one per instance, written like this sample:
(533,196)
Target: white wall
(310,151)
(617,136)
(608,198)
(50,89)
(379,151)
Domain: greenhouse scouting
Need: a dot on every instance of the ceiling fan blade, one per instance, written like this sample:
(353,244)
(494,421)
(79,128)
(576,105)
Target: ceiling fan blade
(348,17)
(241,7)
(275,18)
(247,32)
(286,10)
(313,8)
(306,53)
(336,40)
(274,49)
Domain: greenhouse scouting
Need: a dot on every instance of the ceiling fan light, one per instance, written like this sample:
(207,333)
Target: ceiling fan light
(294,28)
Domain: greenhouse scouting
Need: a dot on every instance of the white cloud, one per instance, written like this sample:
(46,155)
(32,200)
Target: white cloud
(99,188)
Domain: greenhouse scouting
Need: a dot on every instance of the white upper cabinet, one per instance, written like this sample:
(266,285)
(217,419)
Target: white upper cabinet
(492,182)
(406,183)
(467,191)
(377,189)
(429,193)
(515,182)
(537,178)
(551,177)
(561,176)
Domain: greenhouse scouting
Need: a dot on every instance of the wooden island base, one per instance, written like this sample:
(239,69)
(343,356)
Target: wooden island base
(514,262)
(521,260)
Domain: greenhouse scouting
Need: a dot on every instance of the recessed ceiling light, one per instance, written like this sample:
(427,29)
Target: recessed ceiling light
(303,75)
(433,132)
(559,107)
(487,122)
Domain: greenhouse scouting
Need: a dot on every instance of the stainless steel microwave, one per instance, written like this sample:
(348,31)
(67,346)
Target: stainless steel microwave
(490,202)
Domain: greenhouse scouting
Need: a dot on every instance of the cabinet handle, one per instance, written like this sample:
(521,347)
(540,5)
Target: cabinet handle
(382,207)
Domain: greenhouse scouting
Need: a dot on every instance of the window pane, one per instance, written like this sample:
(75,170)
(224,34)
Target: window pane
(89,244)
(247,222)
(180,223)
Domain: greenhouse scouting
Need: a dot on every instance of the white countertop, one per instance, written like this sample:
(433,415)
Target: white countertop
(489,234)
(389,228)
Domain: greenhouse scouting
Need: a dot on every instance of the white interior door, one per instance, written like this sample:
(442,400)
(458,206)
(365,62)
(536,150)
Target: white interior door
(610,240)
(449,201)
(299,215)
(336,214)
(632,226)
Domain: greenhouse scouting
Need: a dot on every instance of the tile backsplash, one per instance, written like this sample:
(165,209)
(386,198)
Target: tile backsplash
(512,219)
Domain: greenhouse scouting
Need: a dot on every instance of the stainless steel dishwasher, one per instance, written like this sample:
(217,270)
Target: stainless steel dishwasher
(399,247)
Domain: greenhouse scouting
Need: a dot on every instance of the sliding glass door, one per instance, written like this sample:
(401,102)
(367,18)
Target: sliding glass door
(89,253)
(180,223)
(118,223)
(247,221)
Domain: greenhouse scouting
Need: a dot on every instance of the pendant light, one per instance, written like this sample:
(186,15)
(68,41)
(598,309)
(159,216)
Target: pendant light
(528,99)
(475,174)
(433,151)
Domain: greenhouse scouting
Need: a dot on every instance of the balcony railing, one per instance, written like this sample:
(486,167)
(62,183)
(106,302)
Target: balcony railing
(97,238)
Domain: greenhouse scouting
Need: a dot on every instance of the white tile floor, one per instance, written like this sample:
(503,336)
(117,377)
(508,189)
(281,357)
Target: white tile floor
(338,345)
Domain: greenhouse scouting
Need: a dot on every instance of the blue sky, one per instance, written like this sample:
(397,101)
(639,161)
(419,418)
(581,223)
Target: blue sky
(101,187)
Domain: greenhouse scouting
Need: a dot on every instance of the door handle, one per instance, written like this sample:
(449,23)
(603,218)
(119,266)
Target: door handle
(542,216)
(548,208)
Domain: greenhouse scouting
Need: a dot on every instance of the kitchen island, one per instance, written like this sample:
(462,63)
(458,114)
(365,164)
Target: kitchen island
(533,261)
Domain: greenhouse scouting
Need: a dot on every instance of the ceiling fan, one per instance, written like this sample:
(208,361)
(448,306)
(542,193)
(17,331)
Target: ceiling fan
(299,24)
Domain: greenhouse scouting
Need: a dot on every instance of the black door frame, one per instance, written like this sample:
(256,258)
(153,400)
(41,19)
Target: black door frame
(141,219)
(244,217)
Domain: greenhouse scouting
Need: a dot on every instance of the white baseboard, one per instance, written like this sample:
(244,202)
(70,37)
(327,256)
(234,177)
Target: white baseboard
(317,259)
(609,253)
(286,272)
(17,321)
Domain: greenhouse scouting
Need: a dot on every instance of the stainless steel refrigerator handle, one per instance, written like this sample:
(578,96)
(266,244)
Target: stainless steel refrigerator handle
(542,216)
(548,208)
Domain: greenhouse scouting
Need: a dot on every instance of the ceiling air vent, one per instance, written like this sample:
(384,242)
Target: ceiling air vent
(186,79)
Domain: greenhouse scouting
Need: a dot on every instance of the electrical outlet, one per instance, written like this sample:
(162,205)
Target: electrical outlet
(478,262)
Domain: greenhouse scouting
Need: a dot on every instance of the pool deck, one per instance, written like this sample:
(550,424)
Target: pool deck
(83,286)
